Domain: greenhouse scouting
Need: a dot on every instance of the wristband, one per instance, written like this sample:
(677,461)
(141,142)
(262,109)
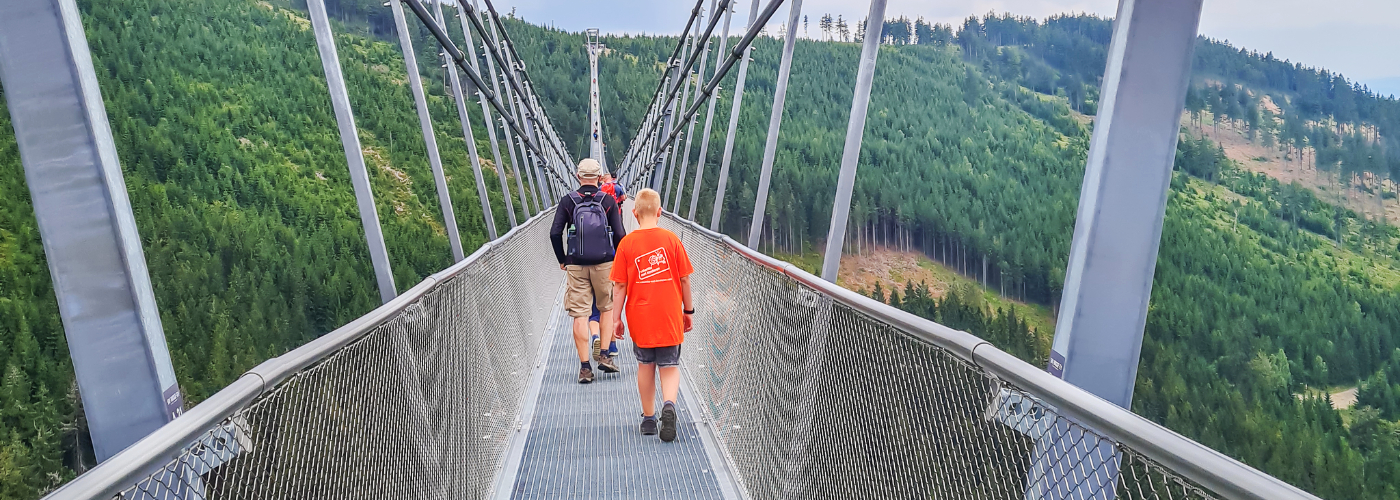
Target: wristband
(688,311)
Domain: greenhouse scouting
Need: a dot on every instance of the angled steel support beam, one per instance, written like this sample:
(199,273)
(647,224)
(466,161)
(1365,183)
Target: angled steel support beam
(682,154)
(425,122)
(709,121)
(468,135)
(510,143)
(1103,310)
(728,154)
(775,120)
(90,239)
(690,125)
(350,141)
(855,132)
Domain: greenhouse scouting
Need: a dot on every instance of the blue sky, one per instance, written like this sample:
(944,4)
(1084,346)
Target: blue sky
(1358,38)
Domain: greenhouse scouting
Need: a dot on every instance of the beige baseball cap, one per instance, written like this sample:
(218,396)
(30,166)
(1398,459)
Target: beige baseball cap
(589,168)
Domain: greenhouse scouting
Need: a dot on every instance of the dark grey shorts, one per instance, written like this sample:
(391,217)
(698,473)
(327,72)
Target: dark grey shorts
(660,356)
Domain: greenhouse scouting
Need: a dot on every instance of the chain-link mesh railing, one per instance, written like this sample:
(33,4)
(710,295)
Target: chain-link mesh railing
(415,400)
(816,392)
(811,391)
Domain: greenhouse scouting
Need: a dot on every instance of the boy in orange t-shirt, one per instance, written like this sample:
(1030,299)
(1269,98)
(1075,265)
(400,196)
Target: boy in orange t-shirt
(651,282)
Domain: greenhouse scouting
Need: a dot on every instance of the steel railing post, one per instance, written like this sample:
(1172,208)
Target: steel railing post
(425,122)
(775,120)
(350,140)
(733,126)
(855,132)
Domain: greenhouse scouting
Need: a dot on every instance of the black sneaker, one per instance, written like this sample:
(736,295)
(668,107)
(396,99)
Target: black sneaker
(605,363)
(648,426)
(585,375)
(668,422)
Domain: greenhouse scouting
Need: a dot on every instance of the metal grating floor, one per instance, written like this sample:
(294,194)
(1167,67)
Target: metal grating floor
(584,443)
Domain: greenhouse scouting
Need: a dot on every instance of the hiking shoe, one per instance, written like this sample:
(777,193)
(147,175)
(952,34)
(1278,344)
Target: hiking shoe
(648,426)
(605,363)
(668,422)
(585,375)
(597,346)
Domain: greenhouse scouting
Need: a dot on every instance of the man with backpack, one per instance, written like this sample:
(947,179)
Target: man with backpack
(594,223)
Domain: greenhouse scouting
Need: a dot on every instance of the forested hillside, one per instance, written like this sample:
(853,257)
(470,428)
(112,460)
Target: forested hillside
(1263,290)
(1313,119)
(241,193)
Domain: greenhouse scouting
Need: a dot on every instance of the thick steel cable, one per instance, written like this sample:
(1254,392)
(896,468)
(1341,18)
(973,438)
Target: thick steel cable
(734,56)
(709,122)
(459,59)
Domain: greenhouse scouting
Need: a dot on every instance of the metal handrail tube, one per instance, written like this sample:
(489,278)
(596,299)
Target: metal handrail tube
(734,56)
(110,478)
(1195,461)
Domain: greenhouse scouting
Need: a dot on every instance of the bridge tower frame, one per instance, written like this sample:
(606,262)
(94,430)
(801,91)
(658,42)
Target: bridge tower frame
(595,113)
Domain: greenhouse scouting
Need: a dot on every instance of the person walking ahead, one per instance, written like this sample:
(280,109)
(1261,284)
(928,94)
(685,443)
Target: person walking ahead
(594,223)
(652,282)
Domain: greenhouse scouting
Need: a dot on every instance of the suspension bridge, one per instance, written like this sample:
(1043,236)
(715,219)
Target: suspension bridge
(461,386)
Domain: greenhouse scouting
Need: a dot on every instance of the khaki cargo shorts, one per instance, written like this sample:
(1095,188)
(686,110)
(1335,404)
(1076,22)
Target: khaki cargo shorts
(588,285)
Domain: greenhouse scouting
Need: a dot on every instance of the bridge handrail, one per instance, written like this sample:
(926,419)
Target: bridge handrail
(121,471)
(1203,465)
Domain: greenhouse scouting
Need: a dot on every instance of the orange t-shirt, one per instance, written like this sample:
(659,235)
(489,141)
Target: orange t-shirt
(651,262)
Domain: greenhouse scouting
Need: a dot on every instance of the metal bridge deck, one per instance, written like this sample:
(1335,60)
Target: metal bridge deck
(583,441)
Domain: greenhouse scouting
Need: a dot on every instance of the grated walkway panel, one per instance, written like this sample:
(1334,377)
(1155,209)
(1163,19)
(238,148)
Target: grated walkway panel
(584,444)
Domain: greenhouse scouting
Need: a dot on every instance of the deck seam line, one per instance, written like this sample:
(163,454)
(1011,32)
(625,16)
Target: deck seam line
(509,468)
(720,461)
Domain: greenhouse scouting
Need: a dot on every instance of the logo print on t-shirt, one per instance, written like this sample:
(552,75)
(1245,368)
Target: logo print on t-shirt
(651,264)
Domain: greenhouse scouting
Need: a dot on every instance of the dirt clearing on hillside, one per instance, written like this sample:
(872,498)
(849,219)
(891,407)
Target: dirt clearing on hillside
(1253,156)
